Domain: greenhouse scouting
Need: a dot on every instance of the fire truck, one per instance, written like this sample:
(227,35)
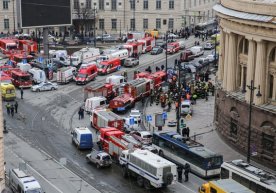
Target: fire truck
(134,48)
(122,103)
(7,45)
(101,118)
(21,79)
(28,46)
(157,77)
(173,47)
(148,44)
(19,57)
(138,88)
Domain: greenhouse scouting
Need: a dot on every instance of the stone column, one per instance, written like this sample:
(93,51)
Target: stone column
(260,72)
(221,56)
(232,63)
(250,66)
(225,64)
(274,87)
(242,77)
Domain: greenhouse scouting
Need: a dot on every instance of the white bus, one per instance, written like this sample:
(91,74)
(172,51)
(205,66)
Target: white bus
(255,179)
(180,151)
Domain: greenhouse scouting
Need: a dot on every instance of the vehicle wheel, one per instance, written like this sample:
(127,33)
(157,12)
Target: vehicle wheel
(37,90)
(147,184)
(161,153)
(125,174)
(98,165)
(52,88)
(140,181)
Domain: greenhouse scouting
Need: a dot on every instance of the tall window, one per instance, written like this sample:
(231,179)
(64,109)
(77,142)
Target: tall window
(158,23)
(185,2)
(171,4)
(268,144)
(132,24)
(114,5)
(158,4)
(114,23)
(233,128)
(76,4)
(145,23)
(271,81)
(6,24)
(146,4)
(101,24)
(132,4)
(101,4)
(5,4)
(195,3)
(170,23)
(88,4)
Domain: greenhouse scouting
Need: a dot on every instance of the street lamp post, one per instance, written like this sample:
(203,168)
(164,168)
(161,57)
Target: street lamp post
(251,88)
(178,112)
(94,11)
(166,51)
(13,14)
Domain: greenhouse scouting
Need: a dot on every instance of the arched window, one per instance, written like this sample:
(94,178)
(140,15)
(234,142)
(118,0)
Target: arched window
(268,139)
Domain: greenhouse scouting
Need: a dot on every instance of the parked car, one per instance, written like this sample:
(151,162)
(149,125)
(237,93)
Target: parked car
(100,158)
(211,58)
(197,65)
(156,50)
(160,43)
(144,137)
(204,61)
(188,67)
(44,86)
(131,62)
(135,114)
(209,46)
(171,35)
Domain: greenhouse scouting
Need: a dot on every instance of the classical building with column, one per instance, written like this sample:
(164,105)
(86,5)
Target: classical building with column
(247,54)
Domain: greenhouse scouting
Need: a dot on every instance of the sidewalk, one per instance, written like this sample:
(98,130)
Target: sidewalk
(201,122)
(52,176)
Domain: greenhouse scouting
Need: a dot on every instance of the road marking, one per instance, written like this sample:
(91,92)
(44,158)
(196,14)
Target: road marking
(186,187)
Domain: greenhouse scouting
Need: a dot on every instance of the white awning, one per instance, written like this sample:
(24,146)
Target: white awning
(243,15)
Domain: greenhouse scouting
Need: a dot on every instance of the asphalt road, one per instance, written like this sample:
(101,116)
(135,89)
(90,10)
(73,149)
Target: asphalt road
(45,120)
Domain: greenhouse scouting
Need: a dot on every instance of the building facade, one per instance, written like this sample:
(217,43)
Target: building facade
(8,16)
(247,58)
(115,16)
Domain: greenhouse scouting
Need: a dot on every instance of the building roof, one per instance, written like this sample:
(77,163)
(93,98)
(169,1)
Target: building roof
(244,15)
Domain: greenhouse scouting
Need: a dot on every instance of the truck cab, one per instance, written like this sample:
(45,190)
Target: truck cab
(86,74)
(95,102)
(109,66)
(100,158)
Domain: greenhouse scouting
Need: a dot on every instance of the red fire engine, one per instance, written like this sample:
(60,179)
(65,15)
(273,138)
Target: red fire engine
(21,79)
(5,78)
(134,48)
(18,57)
(121,103)
(138,88)
(7,45)
(28,46)
(101,118)
(100,89)
(148,44)
(173,48)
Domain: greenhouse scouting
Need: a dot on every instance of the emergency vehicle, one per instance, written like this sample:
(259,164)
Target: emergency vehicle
(148,44)
(5,78)
(109,66)
(101,118)
(7,45)
(138,88)
(135,35)
(85,55)
(121,103)
(86,74)
(20,57)
(173,48)
(28,46)
(7,91)
(134,48)
(21,79)
(95,102)
(99,89)
(157,77)
(114,53)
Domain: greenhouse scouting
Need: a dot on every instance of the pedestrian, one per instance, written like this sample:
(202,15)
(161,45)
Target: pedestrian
(187,170)
(21,92)
(162,67)
(8,107)
(12,110)
(184,131)
(80,113)
(206,96)
(157,69)
(188,132)
(179,172)
(15,106)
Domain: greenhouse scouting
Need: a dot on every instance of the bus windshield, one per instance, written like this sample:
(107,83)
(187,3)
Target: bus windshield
(214,161)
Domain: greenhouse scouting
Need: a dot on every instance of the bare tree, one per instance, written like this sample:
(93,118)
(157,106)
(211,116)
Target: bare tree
(84,14)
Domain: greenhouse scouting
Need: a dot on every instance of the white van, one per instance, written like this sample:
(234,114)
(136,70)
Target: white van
(181,45)
(66,74)
(95,102)
(38,75)
(186,107)
(197,50)
(115,80)
(131,127)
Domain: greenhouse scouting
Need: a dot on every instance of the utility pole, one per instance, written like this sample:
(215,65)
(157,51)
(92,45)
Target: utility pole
(13,14)
(166,51)
(178,112)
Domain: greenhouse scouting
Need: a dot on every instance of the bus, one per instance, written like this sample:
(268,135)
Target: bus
(207,26)
(252,177)
(180,150)
(21,79)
